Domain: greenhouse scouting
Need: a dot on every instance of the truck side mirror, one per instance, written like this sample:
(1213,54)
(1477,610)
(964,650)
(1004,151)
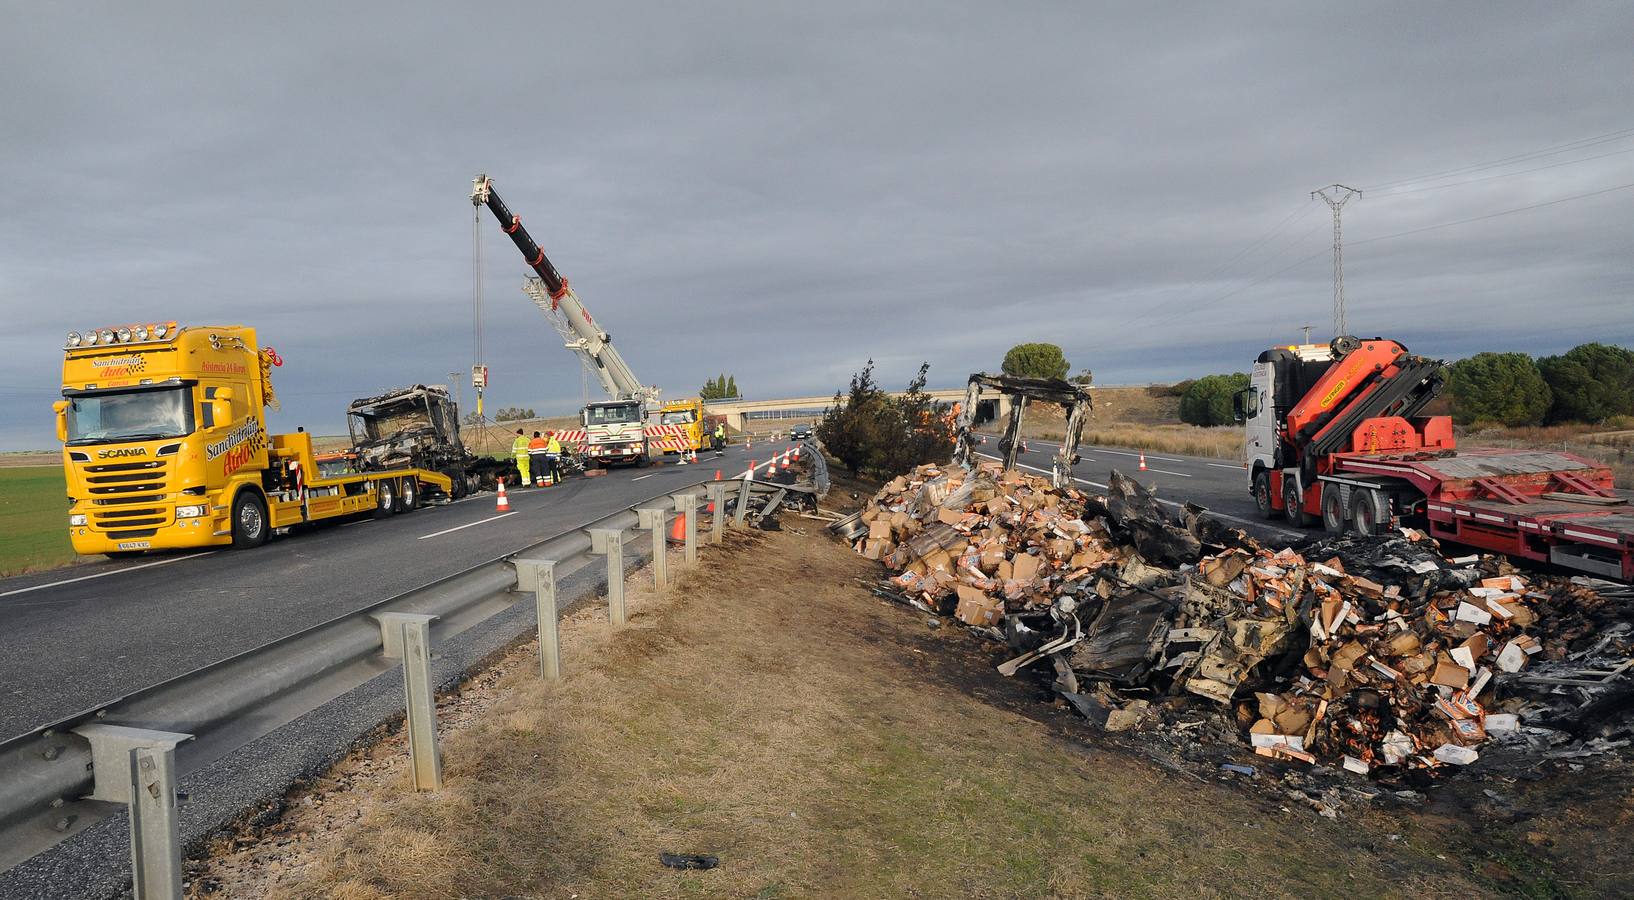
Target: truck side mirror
(61,408)
(221,407)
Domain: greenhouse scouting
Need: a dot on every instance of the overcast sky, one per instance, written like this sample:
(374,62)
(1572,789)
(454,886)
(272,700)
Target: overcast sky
(782,191)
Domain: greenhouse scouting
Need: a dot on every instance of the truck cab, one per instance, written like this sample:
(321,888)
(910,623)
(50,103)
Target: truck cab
(1280,378)
(615,432)
(162,433)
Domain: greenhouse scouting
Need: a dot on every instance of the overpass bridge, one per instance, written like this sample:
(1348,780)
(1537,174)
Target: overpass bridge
(792,411)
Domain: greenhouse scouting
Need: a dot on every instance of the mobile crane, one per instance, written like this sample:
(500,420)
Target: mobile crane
(1334,432)
(615,430)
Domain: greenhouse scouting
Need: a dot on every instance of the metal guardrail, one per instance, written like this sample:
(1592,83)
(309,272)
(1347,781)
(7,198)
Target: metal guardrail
(58,780)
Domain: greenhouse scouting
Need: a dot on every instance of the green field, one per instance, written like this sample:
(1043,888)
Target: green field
(33,519)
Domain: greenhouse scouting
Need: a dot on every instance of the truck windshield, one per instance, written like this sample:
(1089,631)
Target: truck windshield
(138,415)
(614,415)
(678,417)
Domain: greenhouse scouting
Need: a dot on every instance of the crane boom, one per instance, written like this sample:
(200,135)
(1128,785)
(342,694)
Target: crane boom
(556,298)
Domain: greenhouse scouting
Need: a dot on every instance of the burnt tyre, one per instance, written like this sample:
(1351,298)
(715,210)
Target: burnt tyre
(385,498)
(1262,495)
(1369,512)
(456,484)
(1295,511)
(249,518)
(408,495)
(1333,510)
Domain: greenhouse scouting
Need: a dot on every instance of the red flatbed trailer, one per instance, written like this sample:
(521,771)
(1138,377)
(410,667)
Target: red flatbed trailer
(1536,504)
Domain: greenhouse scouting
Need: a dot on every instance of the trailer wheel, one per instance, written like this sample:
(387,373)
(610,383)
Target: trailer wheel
(408,494)
(1295,508)
(385,498)
(249,520)
(1333,510)
(1369,512)
(1262,495)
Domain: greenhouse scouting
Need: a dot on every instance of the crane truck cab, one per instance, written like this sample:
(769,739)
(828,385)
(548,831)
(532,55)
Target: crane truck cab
(615,431)
(1281,377)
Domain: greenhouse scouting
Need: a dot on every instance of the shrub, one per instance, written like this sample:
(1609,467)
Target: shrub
(1506,388)
(1208,400)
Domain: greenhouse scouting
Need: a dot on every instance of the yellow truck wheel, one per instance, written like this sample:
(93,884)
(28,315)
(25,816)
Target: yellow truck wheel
(250,525)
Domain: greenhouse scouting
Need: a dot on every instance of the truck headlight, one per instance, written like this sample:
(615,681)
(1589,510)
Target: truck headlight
(76,519)
(189,512)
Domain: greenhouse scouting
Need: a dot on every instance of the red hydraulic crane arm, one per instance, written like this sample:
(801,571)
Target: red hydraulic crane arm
(1350,379)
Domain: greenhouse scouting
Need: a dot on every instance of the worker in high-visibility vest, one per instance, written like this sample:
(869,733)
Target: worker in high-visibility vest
(553,456)
(536,453)
(720,437)
(519,451)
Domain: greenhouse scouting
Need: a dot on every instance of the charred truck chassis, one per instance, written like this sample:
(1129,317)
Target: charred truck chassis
(418,426)
(1075,397)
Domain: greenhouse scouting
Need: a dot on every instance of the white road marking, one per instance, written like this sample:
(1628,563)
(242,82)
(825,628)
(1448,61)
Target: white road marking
(466,525)
(157,562)
(1217,515)
(648,475)
(1238,467)
(1148,456)
(355,522)
(1166,472)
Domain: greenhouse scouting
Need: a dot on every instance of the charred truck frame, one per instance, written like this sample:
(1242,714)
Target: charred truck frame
(1073,396)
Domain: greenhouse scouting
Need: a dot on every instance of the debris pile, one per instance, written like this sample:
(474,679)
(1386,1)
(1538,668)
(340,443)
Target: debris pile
(1380,656)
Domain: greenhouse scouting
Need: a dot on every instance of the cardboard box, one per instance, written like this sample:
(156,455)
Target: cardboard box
(976,608)
(1449,674)
(1024,567)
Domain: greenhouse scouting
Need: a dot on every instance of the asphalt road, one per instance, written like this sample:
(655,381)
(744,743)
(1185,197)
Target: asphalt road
(1219,485)
(80,637)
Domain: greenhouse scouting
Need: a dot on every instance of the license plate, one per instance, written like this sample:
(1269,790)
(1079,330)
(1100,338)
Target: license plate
(135,545)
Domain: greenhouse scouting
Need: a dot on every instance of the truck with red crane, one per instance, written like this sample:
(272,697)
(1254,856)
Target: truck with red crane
(1335,432)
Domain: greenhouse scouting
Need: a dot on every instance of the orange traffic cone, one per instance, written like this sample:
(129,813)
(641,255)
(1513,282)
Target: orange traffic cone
(717,474)
(678,529)
(749,474)
(1143,460)
(783,461)
(504,503)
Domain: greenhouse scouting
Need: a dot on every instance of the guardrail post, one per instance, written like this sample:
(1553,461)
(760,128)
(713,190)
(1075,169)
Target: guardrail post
(717,498)
(137,767)
(610,542)
(743,503)
(654,519)
(539,576)
(687,506)
(407,636)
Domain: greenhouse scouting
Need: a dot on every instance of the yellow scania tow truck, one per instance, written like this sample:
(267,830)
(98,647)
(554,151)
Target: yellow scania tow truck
(165,445)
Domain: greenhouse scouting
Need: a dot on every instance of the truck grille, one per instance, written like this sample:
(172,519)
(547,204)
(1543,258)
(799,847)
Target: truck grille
(130,489)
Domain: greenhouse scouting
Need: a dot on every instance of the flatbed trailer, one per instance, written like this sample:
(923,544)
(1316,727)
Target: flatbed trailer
(299,499)
(1540,505)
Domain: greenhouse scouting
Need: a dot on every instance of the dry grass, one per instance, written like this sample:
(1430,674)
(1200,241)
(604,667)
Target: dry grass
(774,713)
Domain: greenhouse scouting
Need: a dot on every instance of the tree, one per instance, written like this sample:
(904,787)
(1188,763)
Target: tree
(1208,400)
(1036,361)
(1506,388)
(724,387)
(513,414)
(1590,383)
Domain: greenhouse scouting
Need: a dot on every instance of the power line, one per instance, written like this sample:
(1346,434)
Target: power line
(1569,162)
(1580,144)
(1504,212)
